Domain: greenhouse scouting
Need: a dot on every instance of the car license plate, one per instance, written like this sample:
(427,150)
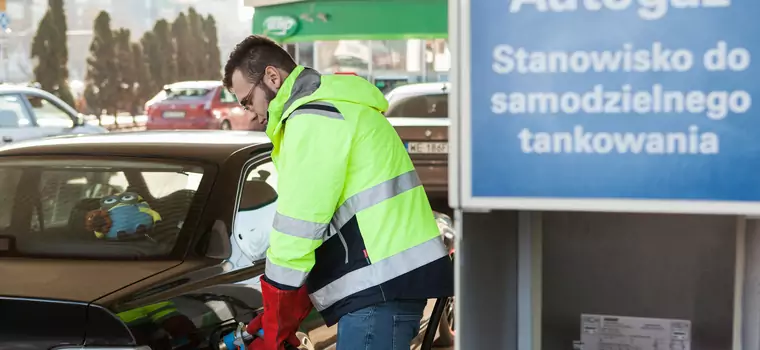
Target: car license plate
(428,147)
(174,114)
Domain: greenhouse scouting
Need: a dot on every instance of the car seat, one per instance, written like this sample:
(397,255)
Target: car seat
(174,209)
(256,194)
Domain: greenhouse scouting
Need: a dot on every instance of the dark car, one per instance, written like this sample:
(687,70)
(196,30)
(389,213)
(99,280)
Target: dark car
(131,240)
(196,105)
(29,113)
(420,114)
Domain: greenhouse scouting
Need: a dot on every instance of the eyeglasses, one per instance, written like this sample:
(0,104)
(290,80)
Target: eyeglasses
(246,101)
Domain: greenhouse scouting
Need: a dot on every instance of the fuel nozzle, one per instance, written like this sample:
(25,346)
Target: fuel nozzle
(239,339)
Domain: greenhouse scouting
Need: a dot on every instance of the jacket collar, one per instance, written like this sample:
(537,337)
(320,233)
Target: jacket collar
(301,82)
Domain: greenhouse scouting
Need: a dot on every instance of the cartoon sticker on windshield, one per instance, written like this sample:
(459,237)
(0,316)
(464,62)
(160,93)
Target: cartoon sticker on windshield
(125,215)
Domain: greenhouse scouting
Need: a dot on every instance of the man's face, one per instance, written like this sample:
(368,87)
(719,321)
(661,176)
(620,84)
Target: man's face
(256,97)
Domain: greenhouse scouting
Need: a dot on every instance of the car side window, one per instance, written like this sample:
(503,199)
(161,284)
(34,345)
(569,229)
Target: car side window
(421,106)
(227,97)
(95,208)
(48,114)
(257,204)
(13,112)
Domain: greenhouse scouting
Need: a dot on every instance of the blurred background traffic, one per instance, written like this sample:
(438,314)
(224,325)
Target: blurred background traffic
(156,64)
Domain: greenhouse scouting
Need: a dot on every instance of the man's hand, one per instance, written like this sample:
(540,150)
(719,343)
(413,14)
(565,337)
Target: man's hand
(259,343)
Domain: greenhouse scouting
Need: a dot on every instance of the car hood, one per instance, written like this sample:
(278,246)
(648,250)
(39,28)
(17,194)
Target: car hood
(75,280)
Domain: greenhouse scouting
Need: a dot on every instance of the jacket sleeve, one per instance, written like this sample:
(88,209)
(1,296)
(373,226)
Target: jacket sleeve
(312,167)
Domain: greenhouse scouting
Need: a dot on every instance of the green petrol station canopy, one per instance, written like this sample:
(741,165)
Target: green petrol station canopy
(353,20)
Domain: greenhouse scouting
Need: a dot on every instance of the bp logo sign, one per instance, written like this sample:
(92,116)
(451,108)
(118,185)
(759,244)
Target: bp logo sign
(280,26)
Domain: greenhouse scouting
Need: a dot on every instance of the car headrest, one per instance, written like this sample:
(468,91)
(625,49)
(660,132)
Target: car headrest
(78,214)
(256,194)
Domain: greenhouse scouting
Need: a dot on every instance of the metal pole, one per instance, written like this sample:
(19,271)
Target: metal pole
(3,61)
(423,58)
(370,63)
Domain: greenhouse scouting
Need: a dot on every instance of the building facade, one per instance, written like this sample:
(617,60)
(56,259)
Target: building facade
(381,40)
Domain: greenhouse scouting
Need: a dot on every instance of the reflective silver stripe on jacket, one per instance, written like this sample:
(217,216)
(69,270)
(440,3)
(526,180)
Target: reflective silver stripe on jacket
(284,275)
(378,272)
(372,196)
(299,228)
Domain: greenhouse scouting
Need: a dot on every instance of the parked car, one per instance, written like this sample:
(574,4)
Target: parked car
(196,105)
(30,113)
(419,112)
(169,275)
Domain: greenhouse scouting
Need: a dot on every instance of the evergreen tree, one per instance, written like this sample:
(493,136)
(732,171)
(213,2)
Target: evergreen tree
(185,51)
(50,51)
(167,69)
(153,60)
(212,54)
(197,41)
(102,75)
(143,89)
(125,67)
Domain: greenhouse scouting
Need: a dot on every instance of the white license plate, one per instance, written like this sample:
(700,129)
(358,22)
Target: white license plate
(174,114)
(428,147)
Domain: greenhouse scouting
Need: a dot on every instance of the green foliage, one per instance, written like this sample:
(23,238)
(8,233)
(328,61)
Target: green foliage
(167,72)
(51,54)
(125,68)
(212,55)
(152,57)
(102,78)
(123,75)
(186,69)
(198,43)
(144,87)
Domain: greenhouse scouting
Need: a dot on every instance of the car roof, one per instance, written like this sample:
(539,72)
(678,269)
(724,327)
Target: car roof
(422,88)
(195,84)
(419,89)
(21,88)
(204,145)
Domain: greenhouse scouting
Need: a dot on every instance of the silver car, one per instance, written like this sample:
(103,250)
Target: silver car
(30,113)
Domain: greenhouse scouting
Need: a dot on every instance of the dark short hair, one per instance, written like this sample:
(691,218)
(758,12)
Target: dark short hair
(252,55)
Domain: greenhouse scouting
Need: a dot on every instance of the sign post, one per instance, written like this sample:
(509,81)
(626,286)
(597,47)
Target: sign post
(570,115)
(606,105)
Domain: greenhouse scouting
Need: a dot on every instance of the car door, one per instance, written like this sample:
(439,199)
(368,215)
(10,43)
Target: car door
(254,216)
(51,118)
(16,123)
(53,258)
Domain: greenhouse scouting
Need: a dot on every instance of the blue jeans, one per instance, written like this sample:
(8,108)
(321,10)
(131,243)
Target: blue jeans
(386,326)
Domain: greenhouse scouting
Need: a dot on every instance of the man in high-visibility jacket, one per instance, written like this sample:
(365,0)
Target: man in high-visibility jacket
(354,234)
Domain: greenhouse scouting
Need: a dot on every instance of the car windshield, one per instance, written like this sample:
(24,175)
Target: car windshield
(94,208)
(186,93)
(419,106)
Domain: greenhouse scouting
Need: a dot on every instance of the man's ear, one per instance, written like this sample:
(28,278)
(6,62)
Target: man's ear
(272,77)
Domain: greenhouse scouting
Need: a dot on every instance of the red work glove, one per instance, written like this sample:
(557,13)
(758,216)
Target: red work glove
(284,310)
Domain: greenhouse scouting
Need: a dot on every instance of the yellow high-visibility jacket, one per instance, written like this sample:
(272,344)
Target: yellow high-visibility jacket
(353,222)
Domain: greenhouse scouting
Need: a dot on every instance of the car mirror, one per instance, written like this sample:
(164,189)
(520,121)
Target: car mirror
(219,245)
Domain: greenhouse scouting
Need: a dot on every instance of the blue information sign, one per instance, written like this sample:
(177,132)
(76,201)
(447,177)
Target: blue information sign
(608,105)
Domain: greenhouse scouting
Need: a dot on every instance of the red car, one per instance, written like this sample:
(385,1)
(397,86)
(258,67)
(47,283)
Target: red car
(196,105)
